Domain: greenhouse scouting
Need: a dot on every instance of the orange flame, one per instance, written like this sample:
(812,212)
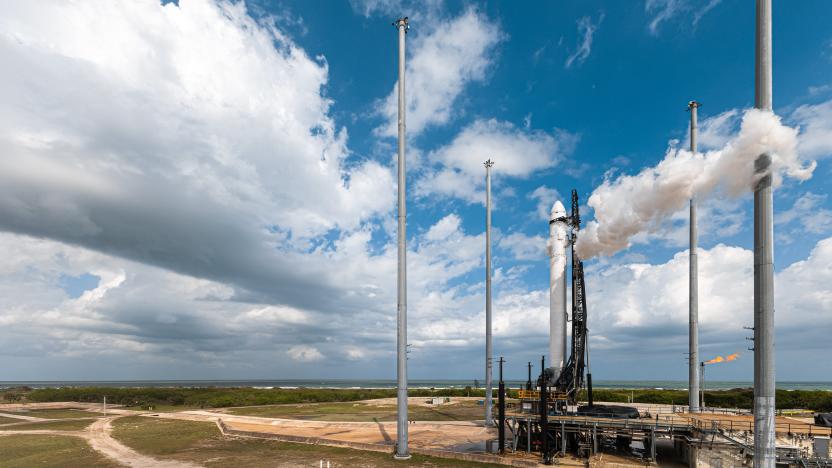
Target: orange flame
(730,357)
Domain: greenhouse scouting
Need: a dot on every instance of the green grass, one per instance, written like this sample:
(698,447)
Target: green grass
(815,400)
(462,411)
(202,443)
(163,436)
(49,451)
(223,397)
(60,425)
(57,413)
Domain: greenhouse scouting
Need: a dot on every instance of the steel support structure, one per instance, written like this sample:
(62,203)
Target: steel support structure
(764,436)
(402,452)
(693,288)
(489,349)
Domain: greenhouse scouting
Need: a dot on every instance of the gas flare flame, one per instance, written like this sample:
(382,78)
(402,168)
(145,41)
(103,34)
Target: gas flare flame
(730,357)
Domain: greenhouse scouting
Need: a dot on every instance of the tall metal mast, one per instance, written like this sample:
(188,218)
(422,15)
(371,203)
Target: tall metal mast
(402,452)
(764,438)
(488,345)
(693,316)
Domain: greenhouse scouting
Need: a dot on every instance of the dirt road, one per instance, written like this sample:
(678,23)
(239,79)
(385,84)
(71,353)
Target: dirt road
(98,436)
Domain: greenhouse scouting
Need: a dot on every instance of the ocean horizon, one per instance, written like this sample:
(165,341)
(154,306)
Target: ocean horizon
(385,384)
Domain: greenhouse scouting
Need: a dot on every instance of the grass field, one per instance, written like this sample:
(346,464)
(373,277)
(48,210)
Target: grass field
(56,413)
(202,443)
(49,451)
(461,411)
(60,425)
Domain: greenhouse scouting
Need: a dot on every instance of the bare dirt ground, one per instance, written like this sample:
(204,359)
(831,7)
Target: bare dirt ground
(436,435)
(22,417)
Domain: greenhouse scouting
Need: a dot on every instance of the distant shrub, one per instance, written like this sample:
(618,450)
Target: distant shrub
(815,400)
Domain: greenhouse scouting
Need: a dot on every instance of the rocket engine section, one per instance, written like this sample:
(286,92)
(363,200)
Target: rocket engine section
(558,242)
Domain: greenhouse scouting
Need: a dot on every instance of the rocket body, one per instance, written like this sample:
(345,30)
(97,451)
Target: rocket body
(558,241)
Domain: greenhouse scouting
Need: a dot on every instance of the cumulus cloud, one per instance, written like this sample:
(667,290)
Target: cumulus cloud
(586,29)
(524,247)
(184,325)
(442,61)
(458,167)
(175,326)
(545,197)
(717,218)
(630,204)
(304,353)
(809,215)
(180,135)
(637,307)
(815,122)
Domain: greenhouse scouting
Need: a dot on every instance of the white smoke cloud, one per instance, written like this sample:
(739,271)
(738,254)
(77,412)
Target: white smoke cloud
(631,204)
(442,61)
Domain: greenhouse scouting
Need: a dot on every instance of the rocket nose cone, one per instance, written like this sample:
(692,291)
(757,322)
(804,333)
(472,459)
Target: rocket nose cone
(558,210)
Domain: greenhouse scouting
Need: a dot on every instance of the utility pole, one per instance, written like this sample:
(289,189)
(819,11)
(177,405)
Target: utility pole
(693,290)
(764,438)
(402,452)
(488,345)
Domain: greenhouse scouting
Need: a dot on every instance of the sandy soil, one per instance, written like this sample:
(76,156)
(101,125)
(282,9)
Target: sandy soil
(423,435)
(438,435)
(22,417)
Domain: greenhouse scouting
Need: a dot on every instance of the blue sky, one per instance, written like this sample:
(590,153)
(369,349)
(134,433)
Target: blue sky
(224,192)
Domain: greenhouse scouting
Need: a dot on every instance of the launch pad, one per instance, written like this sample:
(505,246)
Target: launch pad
(549,417)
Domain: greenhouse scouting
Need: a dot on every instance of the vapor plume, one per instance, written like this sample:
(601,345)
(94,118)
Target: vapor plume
(630,204)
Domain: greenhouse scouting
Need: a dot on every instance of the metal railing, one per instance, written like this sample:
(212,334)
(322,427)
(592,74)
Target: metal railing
(535,395)
(731,425)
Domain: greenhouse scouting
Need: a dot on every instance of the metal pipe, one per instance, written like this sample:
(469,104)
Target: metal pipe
(488,344)
(402,452)
(693,289)
(501,411)
(764,437)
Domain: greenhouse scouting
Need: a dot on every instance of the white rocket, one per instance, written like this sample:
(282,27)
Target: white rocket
(558,241)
